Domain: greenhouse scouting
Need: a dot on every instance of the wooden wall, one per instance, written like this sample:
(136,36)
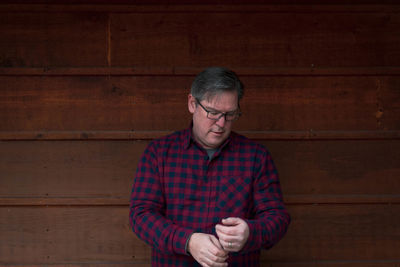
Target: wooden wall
(85,86)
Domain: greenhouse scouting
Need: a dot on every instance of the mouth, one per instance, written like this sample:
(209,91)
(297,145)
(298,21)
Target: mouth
(218,133)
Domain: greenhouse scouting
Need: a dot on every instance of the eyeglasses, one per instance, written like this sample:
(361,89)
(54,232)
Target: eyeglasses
(216,115)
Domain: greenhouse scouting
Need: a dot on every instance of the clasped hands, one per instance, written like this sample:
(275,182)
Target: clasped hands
(210,251)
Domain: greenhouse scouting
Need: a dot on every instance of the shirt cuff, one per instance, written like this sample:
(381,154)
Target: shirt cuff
(254,240)
(181,240)
(187,244)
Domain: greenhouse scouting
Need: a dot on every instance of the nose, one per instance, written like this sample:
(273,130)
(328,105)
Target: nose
(221,121)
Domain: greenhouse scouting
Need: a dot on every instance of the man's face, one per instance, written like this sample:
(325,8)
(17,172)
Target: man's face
(212,133)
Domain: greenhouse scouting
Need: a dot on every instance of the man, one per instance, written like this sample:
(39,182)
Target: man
(206,195)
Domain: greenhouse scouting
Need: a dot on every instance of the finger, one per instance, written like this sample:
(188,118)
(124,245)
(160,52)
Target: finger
(231,221)
(209,263)
(226,230)
(229,246)
(213,260)
(217,251)
(222,235)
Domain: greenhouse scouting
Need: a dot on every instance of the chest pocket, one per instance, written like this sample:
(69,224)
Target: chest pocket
(234,195)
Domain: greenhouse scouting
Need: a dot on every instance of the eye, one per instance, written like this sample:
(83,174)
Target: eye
(214,113)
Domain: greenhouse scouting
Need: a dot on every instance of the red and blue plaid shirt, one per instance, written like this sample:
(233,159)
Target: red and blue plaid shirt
(178,190)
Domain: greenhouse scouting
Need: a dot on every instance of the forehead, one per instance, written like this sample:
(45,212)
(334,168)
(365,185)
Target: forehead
(224,101)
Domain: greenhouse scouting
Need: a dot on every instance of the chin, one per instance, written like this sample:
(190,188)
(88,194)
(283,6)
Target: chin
(217,143)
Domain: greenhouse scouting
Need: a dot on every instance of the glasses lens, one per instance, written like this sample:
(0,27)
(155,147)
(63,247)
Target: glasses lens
(214,115)
(228,116)
(232,116)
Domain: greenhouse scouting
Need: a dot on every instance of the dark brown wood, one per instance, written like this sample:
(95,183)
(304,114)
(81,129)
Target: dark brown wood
(158,103)
(382,263)
(316,168)
(69,169)
(69,235)
(340,233)
(289,199)
(74,103)
(102,234)
(108,264)
(53,39)
(94,81)
(312,38)
(322,171)
(149,135)
(258,40)
(263,264)
(159,6)
(192,71)
(101,3)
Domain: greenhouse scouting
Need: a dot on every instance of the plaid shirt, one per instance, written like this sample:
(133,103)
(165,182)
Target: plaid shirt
(179,191)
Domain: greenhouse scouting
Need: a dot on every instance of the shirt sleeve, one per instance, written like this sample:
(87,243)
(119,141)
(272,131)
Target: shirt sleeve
(147,209)
(271,218)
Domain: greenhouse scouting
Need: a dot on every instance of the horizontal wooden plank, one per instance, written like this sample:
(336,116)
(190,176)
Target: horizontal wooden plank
(157,103)
(293,199)
(114,201)
(310,171)
(363,37)
(383,263)
(146,263)
(69,169)
(192,71)
(149,135)
(348,168)
(332,233)
(158,6)
(95,103)
(65,201)
(336,39)
(53,39)
(340,233)
(68,235)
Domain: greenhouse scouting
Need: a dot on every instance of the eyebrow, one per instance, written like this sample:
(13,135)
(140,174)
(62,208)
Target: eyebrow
(216,110)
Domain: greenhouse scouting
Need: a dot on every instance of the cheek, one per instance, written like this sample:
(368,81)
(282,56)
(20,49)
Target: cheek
(200,124)
(203,123)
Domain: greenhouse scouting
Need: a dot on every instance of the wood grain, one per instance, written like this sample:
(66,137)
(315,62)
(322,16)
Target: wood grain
(95,81)
(52,39)
(259,39)
(106,169)
(90,235)
(68,235)
(158,103)
(340,233)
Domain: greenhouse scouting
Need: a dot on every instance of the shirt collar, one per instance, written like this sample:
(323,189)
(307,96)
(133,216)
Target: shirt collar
(188,138)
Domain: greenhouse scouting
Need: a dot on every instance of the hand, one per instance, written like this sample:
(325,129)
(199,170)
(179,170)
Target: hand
(207,250)
(232,233)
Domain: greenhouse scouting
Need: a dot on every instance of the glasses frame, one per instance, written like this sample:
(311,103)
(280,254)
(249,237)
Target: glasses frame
(223,114)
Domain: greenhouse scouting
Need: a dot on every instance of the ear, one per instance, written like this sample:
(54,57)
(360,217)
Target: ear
(191,103)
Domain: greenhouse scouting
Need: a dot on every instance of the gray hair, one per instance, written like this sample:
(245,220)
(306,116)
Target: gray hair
(215,80)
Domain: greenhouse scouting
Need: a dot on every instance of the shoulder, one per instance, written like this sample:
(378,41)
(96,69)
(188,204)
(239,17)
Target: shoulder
(250,149)
(174,139)
(255,152)
(242,142)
